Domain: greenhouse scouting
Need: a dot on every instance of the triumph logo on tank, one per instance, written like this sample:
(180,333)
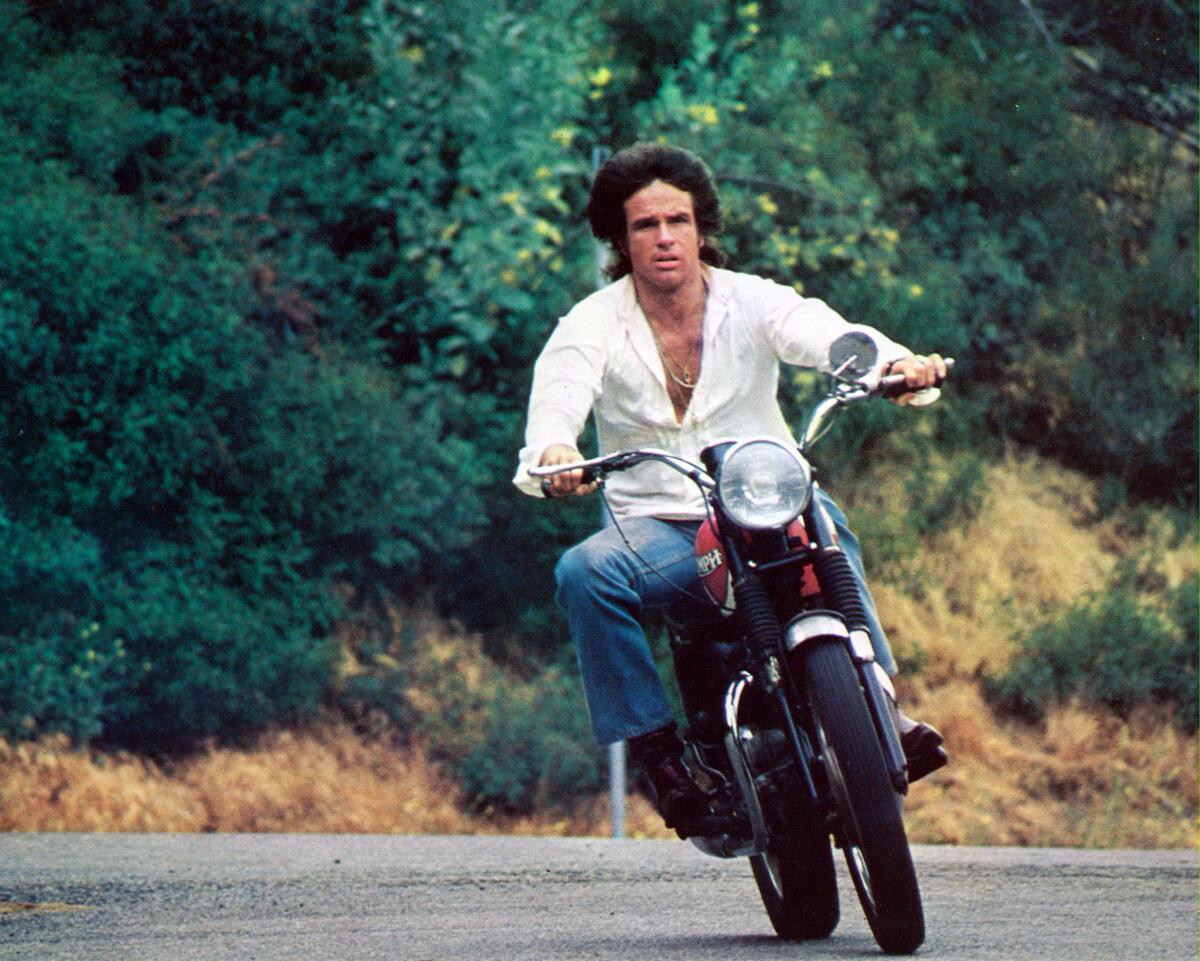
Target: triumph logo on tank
(707,563)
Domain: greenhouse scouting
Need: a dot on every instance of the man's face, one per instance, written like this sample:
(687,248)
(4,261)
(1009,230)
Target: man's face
(661,237)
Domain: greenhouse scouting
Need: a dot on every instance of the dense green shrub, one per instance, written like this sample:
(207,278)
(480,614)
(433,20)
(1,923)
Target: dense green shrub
(535,746)
(190,464)
(516,742)
(1115,648)
(1075,260)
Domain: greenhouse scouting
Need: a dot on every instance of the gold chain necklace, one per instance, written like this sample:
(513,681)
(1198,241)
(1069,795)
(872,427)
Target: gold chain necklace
(685,379)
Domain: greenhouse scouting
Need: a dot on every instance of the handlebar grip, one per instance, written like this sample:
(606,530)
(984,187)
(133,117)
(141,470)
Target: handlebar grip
(894,385)
(589,477)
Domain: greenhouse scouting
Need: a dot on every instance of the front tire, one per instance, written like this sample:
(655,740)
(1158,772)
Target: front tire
(798,885)
(870,826)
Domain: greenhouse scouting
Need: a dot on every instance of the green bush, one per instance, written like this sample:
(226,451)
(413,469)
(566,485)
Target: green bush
(946,492)
(534,747)
(190,463)
(1115,648)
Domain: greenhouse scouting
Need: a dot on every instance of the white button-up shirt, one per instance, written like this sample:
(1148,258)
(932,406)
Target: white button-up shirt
(602,359)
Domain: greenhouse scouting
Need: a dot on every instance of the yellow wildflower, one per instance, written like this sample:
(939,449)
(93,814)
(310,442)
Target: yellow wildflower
(915,291)
(512,200)
(798,287)
(508,276)
(823,70)
(450,230)
(563,136)
(524,255)
(545,229)
(543,173)
(788,250)
(749,11)
(890,236)
(414,54)
(706,113)
(600,77)
(767,205)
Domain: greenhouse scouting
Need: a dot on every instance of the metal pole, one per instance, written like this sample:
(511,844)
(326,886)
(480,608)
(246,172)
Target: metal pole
(599,155)
(616,787)
(616,752)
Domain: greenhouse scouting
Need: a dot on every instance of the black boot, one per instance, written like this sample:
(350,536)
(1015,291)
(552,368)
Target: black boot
(678,798)
(922,744)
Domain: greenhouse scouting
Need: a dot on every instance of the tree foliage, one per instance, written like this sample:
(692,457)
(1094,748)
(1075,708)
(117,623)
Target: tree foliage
(272,277)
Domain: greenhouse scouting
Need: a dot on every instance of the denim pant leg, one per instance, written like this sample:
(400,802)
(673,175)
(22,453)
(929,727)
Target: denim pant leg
(853,552)
(604,588)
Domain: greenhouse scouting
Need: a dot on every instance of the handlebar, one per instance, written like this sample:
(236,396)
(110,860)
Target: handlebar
(597,468)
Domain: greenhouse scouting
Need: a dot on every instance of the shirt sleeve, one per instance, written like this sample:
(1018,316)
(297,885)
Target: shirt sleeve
(566,382)
(801,329)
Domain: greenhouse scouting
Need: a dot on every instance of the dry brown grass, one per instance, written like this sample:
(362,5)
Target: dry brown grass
(325,779)
(49,786)
(1082,780)
(1033,550)
(1083,777)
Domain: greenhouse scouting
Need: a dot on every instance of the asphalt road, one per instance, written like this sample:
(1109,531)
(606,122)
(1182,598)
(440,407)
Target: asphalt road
(214,897)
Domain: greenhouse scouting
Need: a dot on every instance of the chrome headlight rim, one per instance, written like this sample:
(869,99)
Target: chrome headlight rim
(802,481)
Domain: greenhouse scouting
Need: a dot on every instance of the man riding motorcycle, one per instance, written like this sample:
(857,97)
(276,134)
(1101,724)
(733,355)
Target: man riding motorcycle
(677,353)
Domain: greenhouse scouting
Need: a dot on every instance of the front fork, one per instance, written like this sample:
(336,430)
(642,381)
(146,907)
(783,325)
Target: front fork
(760,625)
(839,588)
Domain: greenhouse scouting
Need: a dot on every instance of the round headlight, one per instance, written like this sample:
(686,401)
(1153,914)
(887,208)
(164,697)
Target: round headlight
(764,484)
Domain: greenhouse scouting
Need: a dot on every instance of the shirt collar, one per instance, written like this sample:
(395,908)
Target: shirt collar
(719,293)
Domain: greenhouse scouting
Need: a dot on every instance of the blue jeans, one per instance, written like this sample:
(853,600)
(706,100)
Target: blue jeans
(605,590)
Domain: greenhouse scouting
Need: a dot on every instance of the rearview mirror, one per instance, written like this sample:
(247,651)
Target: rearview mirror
(856,352)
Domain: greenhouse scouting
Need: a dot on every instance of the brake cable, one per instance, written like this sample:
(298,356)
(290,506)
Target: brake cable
(650,568)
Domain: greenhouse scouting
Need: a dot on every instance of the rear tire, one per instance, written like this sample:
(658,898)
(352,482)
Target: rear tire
(798,885)
(870,826)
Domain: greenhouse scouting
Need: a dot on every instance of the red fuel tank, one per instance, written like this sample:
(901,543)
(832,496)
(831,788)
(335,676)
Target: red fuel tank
(714,572)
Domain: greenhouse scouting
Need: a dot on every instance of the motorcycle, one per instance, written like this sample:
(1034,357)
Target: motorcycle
(790,721)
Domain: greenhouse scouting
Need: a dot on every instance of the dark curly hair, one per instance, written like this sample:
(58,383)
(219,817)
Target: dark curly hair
(628,171)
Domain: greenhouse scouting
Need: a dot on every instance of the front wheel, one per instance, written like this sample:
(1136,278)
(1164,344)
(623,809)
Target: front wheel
(870,827)
(798,886)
